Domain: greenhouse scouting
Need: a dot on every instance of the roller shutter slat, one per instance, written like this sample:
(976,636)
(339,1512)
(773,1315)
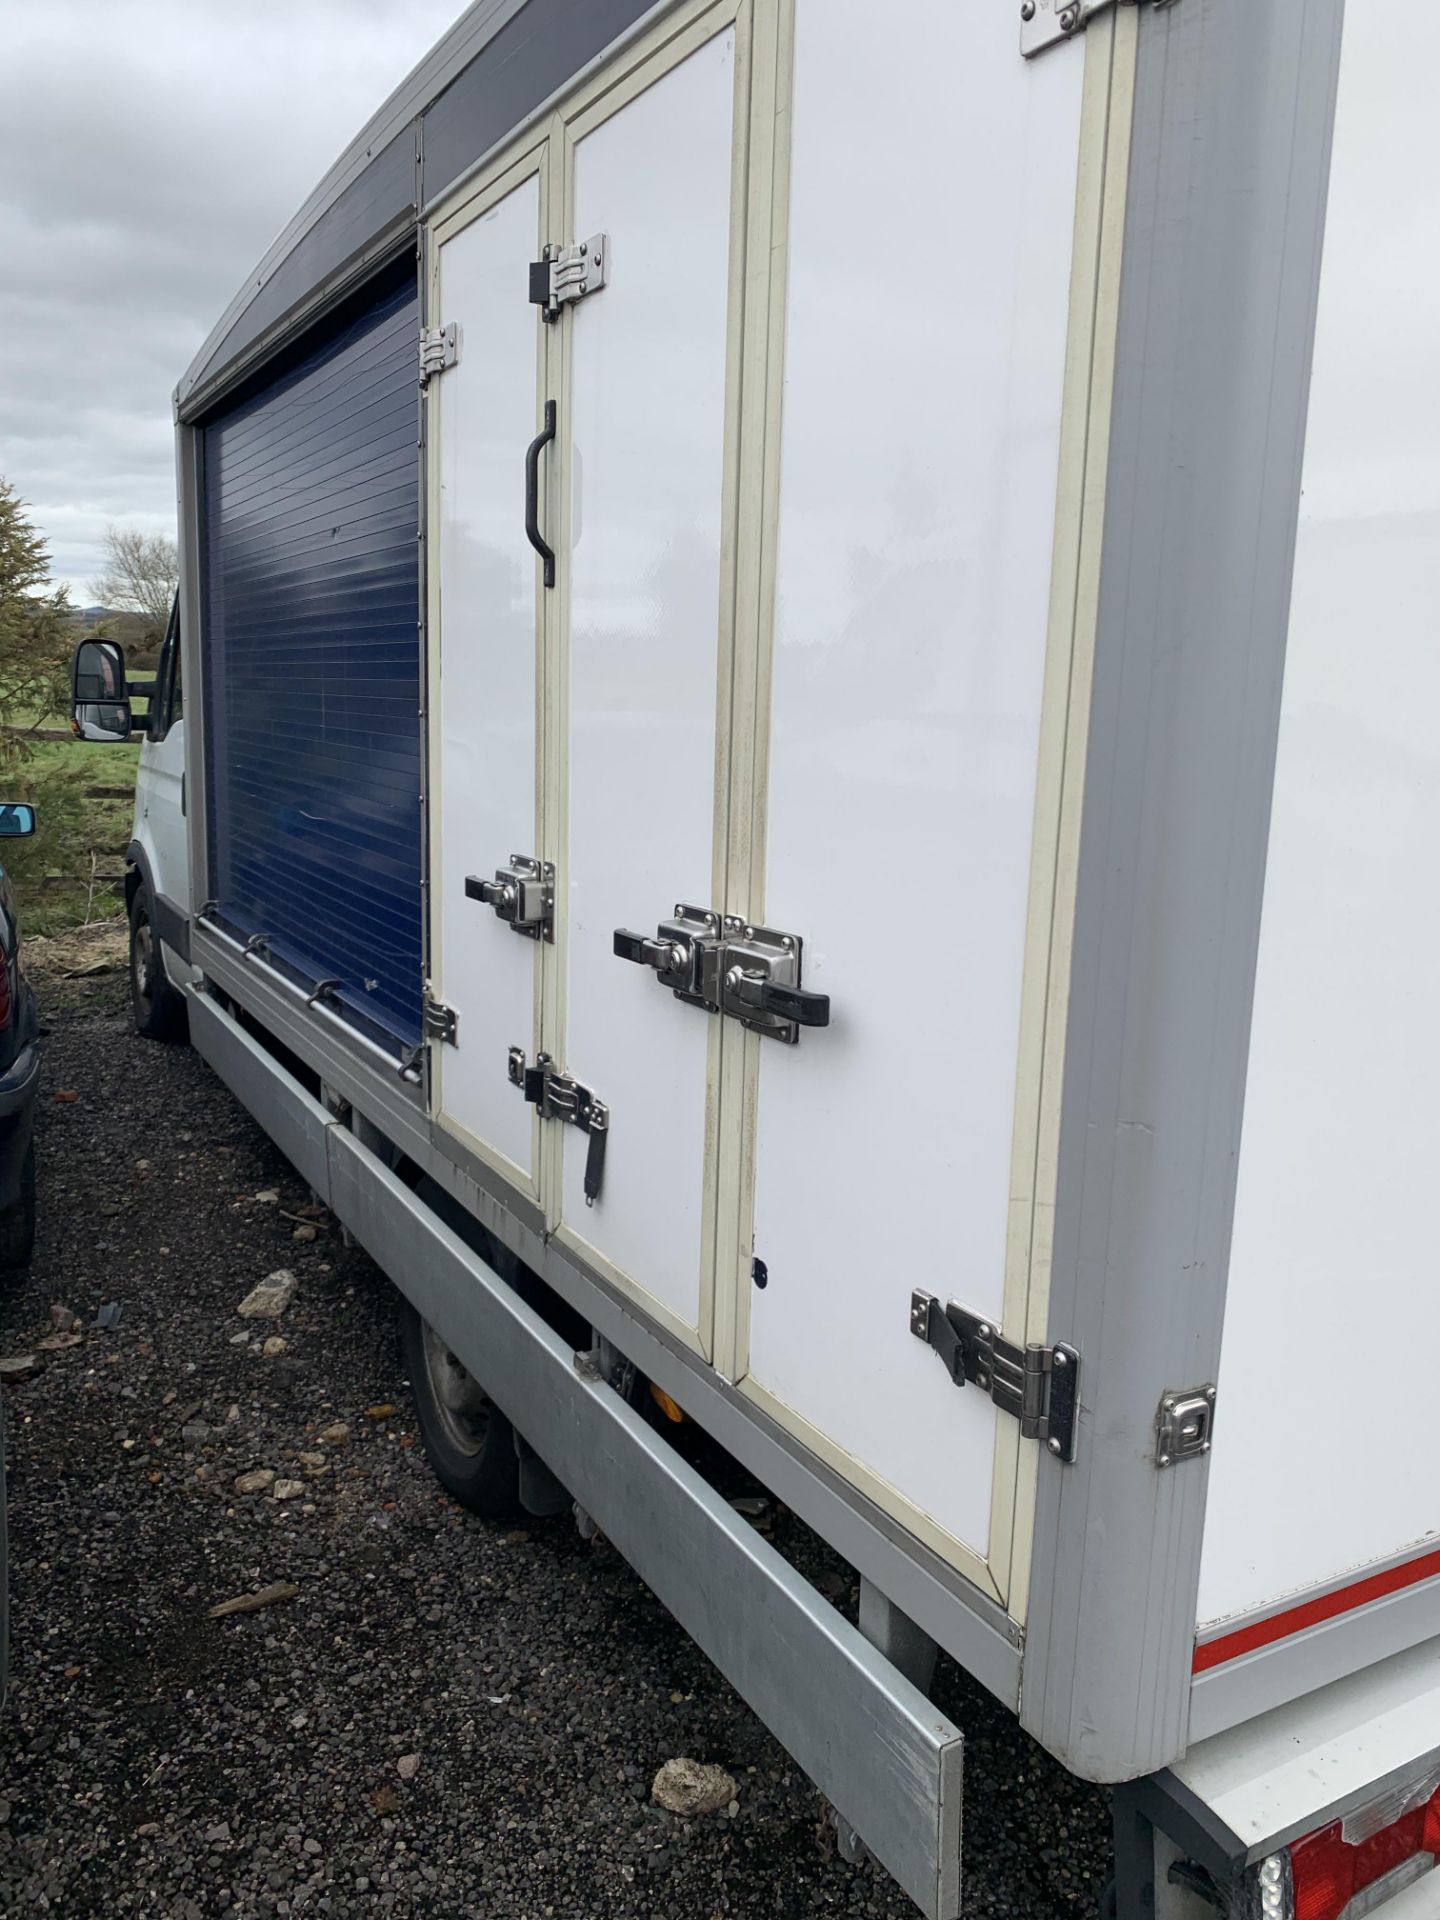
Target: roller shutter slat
(313,667)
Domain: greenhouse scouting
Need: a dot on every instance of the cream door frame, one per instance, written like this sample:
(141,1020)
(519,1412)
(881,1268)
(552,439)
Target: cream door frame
(607,92)
(1003,1573)
(524,159)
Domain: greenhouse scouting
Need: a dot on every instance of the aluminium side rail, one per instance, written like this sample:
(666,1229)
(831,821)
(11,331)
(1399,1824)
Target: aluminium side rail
(884,1756)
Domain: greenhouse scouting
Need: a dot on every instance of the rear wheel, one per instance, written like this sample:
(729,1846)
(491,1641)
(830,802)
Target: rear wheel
(17,1222)
(468,1441)
(158,1008)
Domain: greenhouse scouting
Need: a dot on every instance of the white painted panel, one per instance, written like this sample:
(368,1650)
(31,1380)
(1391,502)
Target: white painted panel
(648,380)
(1334,1278)
(930,247)
(486,698)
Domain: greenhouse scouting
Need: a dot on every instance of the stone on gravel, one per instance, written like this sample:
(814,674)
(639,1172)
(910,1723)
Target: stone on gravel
(287,1489)
(692,1787)
(382,1410)
(408,1765)
(59,1342)
(268,1197)
(253,1602)
(19,1366)
(334,1435)
(303,1232)
(270,1299)
(258,1480)
(274,1346)
(62,1319)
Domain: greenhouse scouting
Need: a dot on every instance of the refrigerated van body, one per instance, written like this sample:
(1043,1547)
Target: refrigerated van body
(757,720)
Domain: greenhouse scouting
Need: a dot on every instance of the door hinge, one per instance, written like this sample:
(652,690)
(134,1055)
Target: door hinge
(1045,23)
(560,1096)
(439,1022)
(1036,1385)
(563,275)
(439,349)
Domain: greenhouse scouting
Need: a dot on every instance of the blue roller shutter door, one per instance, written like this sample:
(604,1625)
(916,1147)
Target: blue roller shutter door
(313,671)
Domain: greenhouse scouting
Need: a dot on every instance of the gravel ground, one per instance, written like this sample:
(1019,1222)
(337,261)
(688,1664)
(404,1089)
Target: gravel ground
(447,1718)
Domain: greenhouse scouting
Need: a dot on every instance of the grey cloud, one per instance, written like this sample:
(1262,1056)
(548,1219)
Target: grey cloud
(150,150)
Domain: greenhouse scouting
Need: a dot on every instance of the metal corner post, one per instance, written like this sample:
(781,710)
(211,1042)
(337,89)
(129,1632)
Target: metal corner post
(1229,162)
(189,471)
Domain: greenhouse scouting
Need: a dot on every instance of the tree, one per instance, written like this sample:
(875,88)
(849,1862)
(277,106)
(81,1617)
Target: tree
(142,571)
(35,634)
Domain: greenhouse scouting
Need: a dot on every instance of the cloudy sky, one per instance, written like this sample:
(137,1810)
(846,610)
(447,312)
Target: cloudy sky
(150,151)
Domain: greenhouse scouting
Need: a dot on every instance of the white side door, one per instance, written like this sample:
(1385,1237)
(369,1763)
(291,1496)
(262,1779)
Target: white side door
(487,613)
(897,774)
(641,721)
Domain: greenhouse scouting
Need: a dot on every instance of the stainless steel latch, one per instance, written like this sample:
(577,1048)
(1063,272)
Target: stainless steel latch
(560,1096)
(1036,1385)
(685,954)
(522,894)
(563,275)
(760,983)
(728,966)
(1183,1424)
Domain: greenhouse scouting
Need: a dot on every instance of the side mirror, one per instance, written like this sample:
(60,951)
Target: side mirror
(99,706)
(17,820)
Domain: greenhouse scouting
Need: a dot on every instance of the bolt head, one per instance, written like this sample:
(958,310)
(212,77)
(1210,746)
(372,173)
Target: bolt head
(1060,1360)
(1209,1393)
(1204,1446)
(1053,1445)
(1169,1406)
(1164,1460)
(1027,12)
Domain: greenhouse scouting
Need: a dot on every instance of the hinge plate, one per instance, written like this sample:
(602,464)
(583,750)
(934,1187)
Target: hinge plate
(1036,1385)
(1045,23)
(440,1022)
(560,1096)
(1184,1422)
(563,275)
(439,349)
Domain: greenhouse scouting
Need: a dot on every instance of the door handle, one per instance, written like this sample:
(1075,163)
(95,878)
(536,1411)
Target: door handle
(522,894)
(532,493)
(665,956)
(755,993)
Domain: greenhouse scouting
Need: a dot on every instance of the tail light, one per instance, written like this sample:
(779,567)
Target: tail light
(1353,1866)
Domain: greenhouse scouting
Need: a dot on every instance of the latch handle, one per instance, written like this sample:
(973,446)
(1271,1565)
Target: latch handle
(491,893)
(645,952)
(797,1004)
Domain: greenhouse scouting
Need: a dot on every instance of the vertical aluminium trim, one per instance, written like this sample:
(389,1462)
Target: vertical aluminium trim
(1234,105)
(189,454)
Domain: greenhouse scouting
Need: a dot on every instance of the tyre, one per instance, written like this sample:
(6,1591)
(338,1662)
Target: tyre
(17,1222)
(467,1440)
(158,1008)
